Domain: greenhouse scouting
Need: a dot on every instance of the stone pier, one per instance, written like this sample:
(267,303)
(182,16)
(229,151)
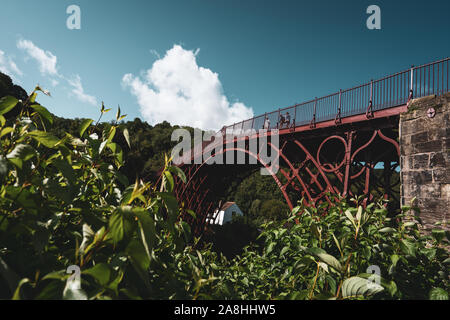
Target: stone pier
(425,158)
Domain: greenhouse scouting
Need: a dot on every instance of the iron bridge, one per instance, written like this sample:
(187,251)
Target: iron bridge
(345,143)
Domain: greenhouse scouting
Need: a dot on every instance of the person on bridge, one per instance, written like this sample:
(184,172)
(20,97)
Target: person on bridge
(281,121)
(266,124)
(287,119)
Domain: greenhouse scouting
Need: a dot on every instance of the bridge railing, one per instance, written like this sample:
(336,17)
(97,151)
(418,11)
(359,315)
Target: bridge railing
(388,92)
(432,78)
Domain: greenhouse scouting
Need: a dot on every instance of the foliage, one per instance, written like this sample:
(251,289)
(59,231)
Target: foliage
(330,257)
(144,150)
(258,197)
(64,204)
(231,238)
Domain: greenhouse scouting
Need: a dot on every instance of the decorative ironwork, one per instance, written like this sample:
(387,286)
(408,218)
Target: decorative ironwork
(328,149)
(346,164)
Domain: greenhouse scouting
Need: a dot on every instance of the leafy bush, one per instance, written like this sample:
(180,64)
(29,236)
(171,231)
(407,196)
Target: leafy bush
(65,206)
(329,257)
(64,203)
(231,238)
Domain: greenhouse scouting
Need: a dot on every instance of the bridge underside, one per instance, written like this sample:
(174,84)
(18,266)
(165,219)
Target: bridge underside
(354,158)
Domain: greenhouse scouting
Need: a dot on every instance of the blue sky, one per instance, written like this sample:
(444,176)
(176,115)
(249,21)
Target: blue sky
(216,61)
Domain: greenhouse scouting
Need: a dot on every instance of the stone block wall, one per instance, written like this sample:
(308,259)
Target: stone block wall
(425,158)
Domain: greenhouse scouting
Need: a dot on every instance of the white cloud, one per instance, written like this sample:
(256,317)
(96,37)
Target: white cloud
(8,66)
(177,90)
(47,63)
(46,60)
(78,91)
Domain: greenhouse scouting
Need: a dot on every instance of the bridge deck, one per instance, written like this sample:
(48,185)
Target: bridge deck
(378,98)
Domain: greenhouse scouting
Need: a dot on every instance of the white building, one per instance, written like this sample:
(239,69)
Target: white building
(225,214)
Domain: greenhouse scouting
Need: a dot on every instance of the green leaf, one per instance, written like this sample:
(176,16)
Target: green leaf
(409,224)
(192,213)
(430,253)
(3,167)
(9,275)
(406,208)
(117,150)
(126,135)
(270,247)
(315,251)
(186,231)
(44,114)
(147,228)
(438,235)
(116,226)
(133,192)
(16,295)
(349,216)
(23,152)
(359,287)
(120,223)
(66,169)
(387,230)
(56,275)
(438,294)
(168,178)
(359,214)
(139,259)
(284,250)
(377,279)
(33,97)
(337,243)
(408,247)
(114,284)
(315,230)
(130,294)
(84,125)
(112,133)
(17,162)
(102,146)
(394,259)
(100,272)
(171,203)
(52,291)
(88,236)
(7,104)
(118,113)
(6,131)
(178,172)
(45,138)
(327,258)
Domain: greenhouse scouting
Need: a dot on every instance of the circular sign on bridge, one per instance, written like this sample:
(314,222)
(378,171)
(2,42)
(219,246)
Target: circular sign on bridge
(431,113)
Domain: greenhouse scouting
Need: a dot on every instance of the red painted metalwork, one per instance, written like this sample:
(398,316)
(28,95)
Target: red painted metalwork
(369,112)
(311,176)
(348,127)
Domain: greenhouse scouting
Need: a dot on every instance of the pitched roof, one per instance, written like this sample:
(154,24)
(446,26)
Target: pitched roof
(226,205)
